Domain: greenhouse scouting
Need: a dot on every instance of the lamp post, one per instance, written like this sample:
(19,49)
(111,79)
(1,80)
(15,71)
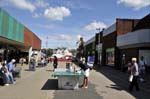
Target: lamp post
(46,45)
(98,51)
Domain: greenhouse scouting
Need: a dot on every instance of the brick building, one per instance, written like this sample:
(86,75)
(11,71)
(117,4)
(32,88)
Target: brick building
(126,38)
(135,43)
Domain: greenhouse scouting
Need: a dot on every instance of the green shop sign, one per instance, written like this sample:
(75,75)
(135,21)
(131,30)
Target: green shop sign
(10,28)
(110,50)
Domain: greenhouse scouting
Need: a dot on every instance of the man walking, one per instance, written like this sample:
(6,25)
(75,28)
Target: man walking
(142,66)
(11,69)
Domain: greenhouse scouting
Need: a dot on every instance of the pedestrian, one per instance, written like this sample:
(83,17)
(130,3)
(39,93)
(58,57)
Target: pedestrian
(135,73)
(142,67)
(129,67)
(123,63)
(55,63)
(11,70)
(42,62)
(32,64)
(21,61)
(6,74)
(86,67)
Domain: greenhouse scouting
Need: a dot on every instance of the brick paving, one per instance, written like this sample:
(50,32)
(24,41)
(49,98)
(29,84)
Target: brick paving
(105,83)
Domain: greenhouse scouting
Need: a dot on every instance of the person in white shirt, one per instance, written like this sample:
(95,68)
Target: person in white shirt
(135,73)
(142,65)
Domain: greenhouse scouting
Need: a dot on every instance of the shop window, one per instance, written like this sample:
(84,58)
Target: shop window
(110,56)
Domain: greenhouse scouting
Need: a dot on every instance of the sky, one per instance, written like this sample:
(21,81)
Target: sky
(61,23)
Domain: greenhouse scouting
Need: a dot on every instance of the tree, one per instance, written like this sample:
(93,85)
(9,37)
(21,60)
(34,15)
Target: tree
(43,50)
(48,51)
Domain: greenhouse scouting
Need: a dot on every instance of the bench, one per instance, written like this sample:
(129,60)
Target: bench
(17,72)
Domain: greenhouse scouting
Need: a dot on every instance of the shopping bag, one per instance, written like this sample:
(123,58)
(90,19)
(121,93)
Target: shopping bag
(130,78)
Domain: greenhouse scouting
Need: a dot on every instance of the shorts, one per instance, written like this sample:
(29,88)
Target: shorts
(87,72)
(142,71)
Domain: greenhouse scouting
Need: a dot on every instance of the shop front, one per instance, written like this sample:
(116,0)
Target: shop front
(135,44)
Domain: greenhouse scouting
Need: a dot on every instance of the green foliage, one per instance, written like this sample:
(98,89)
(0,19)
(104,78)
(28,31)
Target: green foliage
(48,51)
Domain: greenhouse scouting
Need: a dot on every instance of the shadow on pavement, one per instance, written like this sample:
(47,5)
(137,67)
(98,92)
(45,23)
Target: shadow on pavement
(89,93)
(121,82)
(39,66)
(81,93)
(28,70)
(115,87)
(49,70)
(50,84)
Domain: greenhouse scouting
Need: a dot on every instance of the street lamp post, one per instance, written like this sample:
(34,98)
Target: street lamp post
(46,45)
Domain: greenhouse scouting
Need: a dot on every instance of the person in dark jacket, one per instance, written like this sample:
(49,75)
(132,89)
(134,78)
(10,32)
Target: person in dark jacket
(6,73)
(55,62)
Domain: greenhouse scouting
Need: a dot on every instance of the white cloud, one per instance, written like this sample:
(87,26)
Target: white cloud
(41,3)
(36,15)
(78,37)
(47,26)
(57,13)
(77,5)
(64,37)
(135,4)
(94,25)
(23,4)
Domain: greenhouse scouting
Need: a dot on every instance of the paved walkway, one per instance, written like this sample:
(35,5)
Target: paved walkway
(120,80)
(105,83)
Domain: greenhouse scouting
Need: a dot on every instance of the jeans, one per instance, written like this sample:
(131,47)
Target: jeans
(11,78)
(6,78)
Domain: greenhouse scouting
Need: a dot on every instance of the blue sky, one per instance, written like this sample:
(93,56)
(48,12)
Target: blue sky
(64,21)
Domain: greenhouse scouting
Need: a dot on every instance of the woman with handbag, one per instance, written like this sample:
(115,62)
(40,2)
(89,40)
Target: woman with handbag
(135,73)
